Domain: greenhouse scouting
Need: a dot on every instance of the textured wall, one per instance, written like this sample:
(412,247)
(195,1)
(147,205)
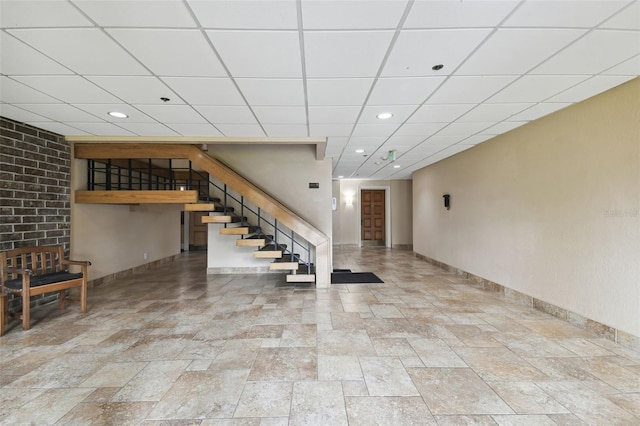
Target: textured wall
(34,187)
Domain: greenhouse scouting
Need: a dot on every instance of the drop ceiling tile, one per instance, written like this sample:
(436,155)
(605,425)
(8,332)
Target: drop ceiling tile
(241,130)
(328,130)
(137,90)
(195,129)
(60,112)
(281,115)
(493,112)
(18,58)
(172,113)
(454,14)
(164,13)
(400,114)
(276,92)
(286,130)
(338,91)
(332,14)
(19,114)
(464,129)
(407,90)
(627,19)
(439,113)
(365,142)
(101,129)
(417,51)
(374,129)
(345,54)
(526,48)
(227,114)
(503,127)
(469,89)
(593,53)
(536,88)
(259,53)
(17,93)
(565,14)
(437,142)
(59,128)
(280,14)
(171,52)
(333,114)
(205,91)
(46,13)
(407,140)
(85,51)
(629,67)
(538,111)
(149,129)
(68,88)
(476,139)
(589,88)
(419,129)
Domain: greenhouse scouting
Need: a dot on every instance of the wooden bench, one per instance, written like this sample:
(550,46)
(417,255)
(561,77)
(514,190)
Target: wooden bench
(31,271)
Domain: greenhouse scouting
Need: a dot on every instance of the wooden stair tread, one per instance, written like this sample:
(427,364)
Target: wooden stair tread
(251,242)
(241,230)
(222,219)
(301,278)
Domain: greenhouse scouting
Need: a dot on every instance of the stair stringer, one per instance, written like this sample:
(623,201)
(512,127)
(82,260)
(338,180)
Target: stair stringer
(271,206)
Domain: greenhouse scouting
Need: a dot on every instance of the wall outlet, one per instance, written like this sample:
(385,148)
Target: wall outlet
(145,256)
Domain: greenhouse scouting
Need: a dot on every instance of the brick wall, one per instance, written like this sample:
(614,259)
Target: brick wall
(35,185)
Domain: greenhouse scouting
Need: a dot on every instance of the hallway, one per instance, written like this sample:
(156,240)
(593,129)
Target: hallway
(174,346)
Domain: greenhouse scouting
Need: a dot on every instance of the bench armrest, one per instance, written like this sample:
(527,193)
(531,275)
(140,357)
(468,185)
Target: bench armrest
(76,262)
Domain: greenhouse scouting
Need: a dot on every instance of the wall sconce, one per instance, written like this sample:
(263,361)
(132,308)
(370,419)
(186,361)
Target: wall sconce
(348,199)
(447,201)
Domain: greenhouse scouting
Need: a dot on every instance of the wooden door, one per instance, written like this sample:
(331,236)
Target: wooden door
(372,211)
(198,233)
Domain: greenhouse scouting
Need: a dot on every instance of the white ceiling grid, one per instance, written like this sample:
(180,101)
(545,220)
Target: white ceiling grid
(313,68)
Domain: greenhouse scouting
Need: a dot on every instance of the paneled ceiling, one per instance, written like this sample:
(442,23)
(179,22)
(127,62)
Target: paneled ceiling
(313,68)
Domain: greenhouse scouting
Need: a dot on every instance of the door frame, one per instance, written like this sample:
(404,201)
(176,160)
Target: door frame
(387,213)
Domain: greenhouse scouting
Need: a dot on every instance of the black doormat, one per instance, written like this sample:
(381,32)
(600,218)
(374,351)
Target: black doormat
(341,270)
(355,278)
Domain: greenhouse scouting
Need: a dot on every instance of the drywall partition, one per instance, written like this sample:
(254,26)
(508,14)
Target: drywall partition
(118,238)
(399,210)
(550,209)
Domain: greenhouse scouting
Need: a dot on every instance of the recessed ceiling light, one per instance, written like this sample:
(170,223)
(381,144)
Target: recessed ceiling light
(118,114)
(437,67)
(397,166)
(384,115)
(360,150)
(340,177)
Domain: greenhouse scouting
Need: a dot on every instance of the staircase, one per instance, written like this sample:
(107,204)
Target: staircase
(245,212)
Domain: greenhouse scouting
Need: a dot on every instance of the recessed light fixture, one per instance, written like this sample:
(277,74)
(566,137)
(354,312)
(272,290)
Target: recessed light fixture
(397,166)
(384,115)
(340,177)
(437,67)
(117,114)
(359,151)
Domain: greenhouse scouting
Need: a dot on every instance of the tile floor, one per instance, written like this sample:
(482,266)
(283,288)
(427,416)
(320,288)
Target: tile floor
(174,346)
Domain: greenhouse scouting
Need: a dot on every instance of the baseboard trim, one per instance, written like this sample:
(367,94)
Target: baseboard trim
(402,246)
(128,272)
(240,270)
(623,338)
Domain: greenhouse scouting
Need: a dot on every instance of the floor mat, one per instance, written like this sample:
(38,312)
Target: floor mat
(355,278)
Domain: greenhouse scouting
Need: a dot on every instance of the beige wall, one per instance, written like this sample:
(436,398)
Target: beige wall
(285,172)
(347,228)
(550,209)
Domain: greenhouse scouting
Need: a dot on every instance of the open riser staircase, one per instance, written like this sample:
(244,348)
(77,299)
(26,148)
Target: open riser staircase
(167,175)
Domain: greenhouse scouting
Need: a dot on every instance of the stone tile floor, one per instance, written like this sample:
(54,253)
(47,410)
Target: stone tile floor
(173,346)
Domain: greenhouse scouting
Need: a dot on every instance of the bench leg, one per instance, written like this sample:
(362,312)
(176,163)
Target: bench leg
(83,295)
(62,296)
(26,317)
(4,312)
